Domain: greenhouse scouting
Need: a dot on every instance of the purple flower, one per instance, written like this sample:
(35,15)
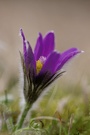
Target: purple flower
(43,65)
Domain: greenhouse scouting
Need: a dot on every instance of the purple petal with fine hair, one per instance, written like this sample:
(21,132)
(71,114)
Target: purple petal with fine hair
(48,43)
(68,52)
(28,53)
(66,56)
(24,44)
(31,63)
(22,34)
(39,47)
(50,63)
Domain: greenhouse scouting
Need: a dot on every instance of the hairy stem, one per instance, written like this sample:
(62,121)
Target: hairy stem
(23,116)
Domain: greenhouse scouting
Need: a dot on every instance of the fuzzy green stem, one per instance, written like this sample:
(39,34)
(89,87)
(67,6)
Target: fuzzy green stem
(23,116)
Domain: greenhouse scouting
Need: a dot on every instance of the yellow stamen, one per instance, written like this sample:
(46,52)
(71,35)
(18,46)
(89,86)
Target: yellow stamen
(39,65)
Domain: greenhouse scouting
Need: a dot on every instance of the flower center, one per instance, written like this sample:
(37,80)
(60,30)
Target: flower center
(39,64)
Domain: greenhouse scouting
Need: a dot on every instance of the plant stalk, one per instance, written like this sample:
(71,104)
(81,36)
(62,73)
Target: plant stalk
(23,116)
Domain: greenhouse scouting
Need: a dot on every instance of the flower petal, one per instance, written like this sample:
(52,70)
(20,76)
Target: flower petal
(24,44)
(28,54)
(22,34)
(38,48)
(48,43)
(66,56)
(50,63)
(31,63)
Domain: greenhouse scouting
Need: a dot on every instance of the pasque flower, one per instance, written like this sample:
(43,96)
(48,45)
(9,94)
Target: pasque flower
(40,68)
(43,65)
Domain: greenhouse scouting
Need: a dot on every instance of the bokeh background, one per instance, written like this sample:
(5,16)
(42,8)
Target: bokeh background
(70,20)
